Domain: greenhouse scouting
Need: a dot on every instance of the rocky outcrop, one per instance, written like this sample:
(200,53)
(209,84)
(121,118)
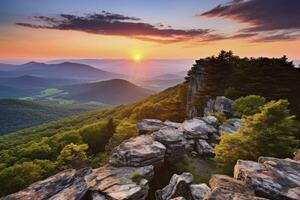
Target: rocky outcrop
(139,151)
(181,186)
(220,104)
(173,140)
(195,82)
(98,184)
(203,148)
(271,177)
(197,129)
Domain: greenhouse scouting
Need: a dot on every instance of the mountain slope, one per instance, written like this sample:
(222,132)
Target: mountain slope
(33,82)
(115,91)
(168,104)
(18,114)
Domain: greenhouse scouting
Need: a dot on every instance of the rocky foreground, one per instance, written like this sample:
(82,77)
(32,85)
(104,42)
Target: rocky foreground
(131,167)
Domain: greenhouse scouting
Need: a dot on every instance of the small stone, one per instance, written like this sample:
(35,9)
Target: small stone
(199,191)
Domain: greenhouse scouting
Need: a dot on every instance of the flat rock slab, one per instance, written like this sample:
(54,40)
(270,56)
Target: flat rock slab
(137,152)
(117,183)
(197,129)
(149,125)
(271,177)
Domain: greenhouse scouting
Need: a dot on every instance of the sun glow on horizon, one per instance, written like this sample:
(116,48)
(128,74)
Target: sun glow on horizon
(137,57)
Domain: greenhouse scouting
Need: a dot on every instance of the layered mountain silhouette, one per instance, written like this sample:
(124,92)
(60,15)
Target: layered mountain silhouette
(66,70)
(115,91)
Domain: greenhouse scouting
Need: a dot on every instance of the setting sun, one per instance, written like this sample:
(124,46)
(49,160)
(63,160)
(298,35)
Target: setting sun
(137,57)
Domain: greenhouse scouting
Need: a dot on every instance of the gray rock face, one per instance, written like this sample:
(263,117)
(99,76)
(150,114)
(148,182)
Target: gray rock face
(199,191)
(211,120)
(179,186)
(195,83)
(137,152)
(230,126)
(178,198)
(99,184)
(197,129)
(172,124)
(271,178)
(173,140)
(203,148)
(149,125)
(220,104)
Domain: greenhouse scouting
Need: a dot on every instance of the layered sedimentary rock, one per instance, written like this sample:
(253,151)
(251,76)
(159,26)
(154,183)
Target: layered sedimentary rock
(271,177)
(139,151)
(149,125)
(99,184)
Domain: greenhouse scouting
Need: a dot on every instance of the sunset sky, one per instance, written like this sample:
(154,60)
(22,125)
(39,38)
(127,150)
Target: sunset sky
(49,29)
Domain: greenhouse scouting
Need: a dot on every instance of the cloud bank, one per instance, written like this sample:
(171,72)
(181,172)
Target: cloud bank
(106,23)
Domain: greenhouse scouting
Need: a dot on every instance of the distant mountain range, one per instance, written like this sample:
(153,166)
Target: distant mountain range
(136,71)
(66,70)
(115,91)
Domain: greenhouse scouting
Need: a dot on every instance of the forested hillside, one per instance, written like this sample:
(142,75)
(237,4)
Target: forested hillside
(33,154)
(19,114)
(73,142)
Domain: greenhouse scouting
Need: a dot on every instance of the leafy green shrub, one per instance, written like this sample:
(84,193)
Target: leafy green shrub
(100,159)
(272,132)
(248,105)
(97,135)
(73,156)
(136,177)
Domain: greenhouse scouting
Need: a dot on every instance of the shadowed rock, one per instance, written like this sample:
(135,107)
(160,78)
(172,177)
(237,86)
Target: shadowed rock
(179,186)
(230,126)
(203,148)
(199,191)
(173,140)
(220,104)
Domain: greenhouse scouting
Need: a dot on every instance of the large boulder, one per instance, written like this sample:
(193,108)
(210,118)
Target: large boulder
(149,125)
(173,140)
(119,183)
(230,126)
(199,191)
(203,148)
(197,129)
(231,184)
(271,177)
(220,104)
(103,183)
(223,194)
(137,152)
(179,186)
